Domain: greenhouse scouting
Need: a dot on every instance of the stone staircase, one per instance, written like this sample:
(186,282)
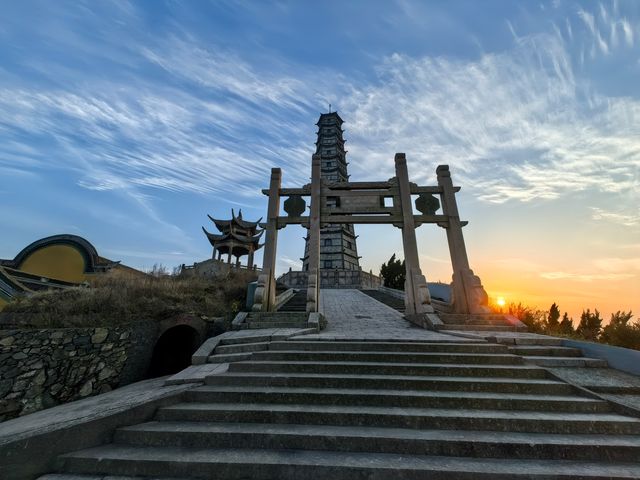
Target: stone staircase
(256,320)
(238,349)
(553,354)
(389,300)
(479,322)
(374,410)
(297,303)
(452,321)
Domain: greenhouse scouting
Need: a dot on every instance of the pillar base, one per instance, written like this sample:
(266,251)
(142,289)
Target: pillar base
(264,297)
(468,294)
(417,298)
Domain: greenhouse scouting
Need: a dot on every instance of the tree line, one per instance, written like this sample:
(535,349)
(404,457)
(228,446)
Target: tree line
(621,331)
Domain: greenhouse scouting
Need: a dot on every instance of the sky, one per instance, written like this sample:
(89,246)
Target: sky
(128,122)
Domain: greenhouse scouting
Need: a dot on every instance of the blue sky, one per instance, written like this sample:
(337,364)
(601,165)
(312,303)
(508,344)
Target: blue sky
(127,122)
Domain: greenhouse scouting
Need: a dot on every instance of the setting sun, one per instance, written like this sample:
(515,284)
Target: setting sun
(500,301)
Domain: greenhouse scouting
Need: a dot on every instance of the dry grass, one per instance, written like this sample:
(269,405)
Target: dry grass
(115,299)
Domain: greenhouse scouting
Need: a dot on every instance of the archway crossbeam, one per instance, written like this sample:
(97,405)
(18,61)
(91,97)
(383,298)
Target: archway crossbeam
(387,202)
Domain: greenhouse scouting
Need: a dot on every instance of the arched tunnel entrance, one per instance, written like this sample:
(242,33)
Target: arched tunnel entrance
(173,351)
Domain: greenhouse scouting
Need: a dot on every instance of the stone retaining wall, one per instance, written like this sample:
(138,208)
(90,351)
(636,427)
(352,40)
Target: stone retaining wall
(43,368)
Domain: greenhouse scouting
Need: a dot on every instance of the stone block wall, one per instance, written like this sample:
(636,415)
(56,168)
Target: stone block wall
(216,268)
(43,368)
(333,278)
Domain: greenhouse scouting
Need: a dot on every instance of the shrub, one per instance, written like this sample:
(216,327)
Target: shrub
(620,332)
(114,299)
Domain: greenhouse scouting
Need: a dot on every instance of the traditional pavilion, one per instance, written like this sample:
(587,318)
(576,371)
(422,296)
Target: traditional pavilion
(237,238)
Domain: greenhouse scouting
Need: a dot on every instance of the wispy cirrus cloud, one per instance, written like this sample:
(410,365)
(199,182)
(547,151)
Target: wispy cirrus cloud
(626,219)
(585,277)
(517,125)
(606,29)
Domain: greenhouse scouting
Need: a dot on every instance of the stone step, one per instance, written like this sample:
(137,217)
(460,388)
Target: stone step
(480,328)
(406,347)
(72,476)
(282,324)
(389,357)
(241,348)
(229,357)
(385,368)
(258,464)
(394,398)
(395,417)
(249,338)
(533,340)
(462,317)
(547,351)
(207,435)
(565,361)
(396,382)
(277,316)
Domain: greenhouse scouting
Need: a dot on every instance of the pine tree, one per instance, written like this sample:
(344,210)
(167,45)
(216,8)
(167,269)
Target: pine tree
(393,273)
(552,318)
(566,325)
(621,332)
(590,325)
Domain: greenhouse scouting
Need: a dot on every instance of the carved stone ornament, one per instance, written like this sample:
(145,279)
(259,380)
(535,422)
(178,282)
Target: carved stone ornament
(295,206)
(427,204)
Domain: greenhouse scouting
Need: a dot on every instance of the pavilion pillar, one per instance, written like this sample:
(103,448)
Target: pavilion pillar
(265,295)
(417,297)
(250,260)
(213,255)
(313,283)
(219,255)
(468,294)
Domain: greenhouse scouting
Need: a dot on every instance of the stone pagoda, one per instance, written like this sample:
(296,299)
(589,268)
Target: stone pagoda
(337,242)
(237,238)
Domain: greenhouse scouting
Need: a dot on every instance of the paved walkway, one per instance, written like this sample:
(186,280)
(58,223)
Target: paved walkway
(354,315)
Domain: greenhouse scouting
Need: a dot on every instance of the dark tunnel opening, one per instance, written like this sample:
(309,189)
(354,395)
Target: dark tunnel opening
(173,350)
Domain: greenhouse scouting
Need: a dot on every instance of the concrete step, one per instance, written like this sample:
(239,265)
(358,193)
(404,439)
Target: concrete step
(390,357)
(242,339)
(380,368)
(72,476)
(474,317)
(394,382)
(546,351)
(277,316)
(258,464)
(565,361)
(532,340)
(204,435)
(395,417)
(480,328)
(469,347)
(229,357)
(241,348)
(282,324)
(394,398)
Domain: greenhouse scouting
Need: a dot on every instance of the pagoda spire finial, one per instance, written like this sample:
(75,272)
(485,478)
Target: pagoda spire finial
(329,108)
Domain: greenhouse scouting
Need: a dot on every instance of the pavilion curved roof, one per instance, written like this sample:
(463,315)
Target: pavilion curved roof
(218,239)
(223,225)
